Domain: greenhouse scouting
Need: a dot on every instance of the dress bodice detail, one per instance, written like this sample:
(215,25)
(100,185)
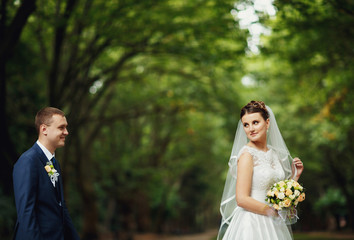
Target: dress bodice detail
(266,171)
(246,225)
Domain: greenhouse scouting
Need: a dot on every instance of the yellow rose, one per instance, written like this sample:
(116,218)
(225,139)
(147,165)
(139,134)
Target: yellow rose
(296,184)
(288,192)
(287,202)
(276,192)
(276,206)
(301,197)
(48,168)
(281,184)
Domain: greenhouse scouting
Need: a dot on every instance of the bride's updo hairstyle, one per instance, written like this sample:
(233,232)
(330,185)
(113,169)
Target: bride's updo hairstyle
(254,107)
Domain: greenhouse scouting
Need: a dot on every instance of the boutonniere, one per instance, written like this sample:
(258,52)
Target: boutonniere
(52,172)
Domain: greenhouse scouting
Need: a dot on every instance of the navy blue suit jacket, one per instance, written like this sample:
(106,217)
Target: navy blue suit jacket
(41,209)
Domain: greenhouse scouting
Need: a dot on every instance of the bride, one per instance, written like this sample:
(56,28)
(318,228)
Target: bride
(259,158)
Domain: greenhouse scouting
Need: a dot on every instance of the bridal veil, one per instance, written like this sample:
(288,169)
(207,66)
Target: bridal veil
(275,141)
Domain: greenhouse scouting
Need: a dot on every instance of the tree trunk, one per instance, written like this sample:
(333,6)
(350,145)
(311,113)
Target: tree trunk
(9,37)
(87,194)
(8,153)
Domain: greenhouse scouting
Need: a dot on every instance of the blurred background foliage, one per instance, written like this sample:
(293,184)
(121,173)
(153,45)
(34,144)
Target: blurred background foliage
(152,92)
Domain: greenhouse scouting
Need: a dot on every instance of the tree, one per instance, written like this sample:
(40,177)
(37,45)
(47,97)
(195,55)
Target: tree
(305,65)
(12,21)
(89,51)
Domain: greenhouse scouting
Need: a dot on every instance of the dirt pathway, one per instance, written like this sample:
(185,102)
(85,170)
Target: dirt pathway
(211,235)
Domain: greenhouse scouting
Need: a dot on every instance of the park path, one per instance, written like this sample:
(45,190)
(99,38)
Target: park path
(211,234)
(207,235)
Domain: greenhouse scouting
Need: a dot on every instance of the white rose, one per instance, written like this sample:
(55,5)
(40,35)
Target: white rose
(282,189)
(281,195)
(297,193)
(292,197)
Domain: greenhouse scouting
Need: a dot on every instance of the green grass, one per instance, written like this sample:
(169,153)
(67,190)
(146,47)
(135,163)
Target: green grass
(304,236)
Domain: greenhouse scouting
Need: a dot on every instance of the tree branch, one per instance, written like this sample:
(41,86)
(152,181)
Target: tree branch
(60,32)
(10,35)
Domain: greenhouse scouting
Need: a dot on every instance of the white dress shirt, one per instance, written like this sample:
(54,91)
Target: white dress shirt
(48,154)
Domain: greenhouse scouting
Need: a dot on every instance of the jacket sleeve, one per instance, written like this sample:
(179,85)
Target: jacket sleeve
(25,180)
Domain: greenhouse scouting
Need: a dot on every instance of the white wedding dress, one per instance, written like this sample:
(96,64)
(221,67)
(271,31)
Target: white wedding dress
(247,225)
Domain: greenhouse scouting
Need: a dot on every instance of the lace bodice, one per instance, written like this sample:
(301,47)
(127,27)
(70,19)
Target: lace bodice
(266,171)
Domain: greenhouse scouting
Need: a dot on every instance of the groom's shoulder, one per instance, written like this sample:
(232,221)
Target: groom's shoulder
(34,150)
(29,155)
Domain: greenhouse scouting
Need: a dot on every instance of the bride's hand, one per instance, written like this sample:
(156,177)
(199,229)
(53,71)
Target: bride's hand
(297,163)
(271,212)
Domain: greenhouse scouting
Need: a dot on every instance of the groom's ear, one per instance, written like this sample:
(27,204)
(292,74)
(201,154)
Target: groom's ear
(43,129)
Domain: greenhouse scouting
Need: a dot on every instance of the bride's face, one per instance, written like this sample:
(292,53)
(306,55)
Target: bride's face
(255,126)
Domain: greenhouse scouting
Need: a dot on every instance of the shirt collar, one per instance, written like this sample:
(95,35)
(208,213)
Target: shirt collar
(47,153)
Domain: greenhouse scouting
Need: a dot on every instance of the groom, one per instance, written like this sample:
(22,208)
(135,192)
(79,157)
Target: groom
(38,188)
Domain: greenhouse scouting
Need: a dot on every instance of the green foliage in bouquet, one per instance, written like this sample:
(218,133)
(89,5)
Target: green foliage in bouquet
(284,194)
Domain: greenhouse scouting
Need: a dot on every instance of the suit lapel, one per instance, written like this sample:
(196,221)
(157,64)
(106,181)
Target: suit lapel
(60,183)
(43,158)
(41,154)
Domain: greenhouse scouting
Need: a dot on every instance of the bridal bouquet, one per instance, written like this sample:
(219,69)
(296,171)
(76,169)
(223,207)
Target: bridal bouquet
(284,196)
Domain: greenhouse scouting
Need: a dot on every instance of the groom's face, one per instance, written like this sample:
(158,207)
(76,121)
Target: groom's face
(57,131)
